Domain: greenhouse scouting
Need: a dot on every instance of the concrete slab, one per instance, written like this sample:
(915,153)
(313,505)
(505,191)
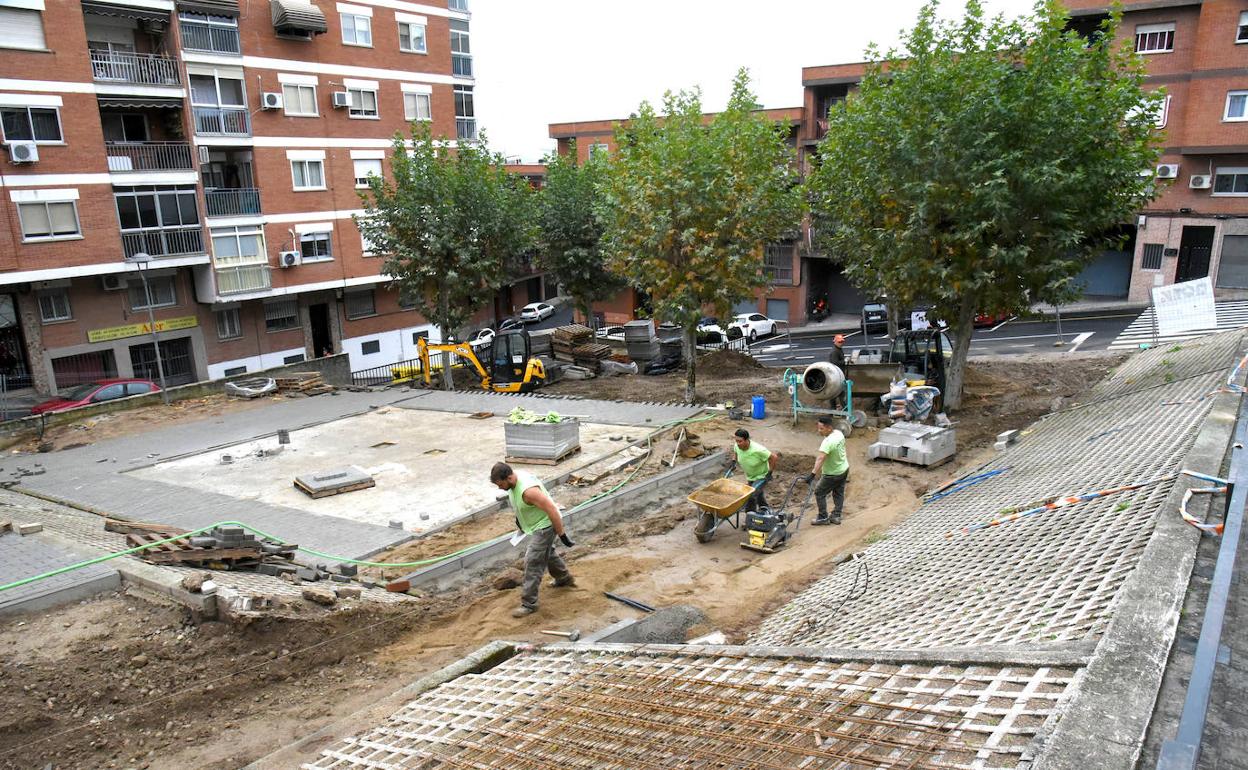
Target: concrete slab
(444,456)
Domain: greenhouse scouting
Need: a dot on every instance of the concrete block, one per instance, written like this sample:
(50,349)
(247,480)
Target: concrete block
(348,592)
(350,570)
(308,573)
(1008,437)
(29,528)
(339,578)
(5,526)
(322,596)
(268,569)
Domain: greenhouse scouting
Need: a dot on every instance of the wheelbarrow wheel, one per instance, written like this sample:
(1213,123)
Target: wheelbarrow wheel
(707,524)
(858,419)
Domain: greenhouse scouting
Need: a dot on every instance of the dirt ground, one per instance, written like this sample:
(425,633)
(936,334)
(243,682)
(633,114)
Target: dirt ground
(125,680)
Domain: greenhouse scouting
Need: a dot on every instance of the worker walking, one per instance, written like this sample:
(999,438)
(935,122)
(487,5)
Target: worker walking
(832,467)
(758,463)
(538,517)
(837,356)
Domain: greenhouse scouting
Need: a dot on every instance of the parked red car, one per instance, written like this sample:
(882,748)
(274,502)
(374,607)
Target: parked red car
(94,393)
(990,319)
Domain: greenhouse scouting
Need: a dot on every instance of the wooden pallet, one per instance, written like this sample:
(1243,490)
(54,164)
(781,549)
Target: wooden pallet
(182,552)
(299,381)
(319,493)
(123,527)
(541,460)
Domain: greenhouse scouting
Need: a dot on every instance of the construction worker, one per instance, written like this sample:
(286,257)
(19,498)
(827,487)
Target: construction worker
(538,518)
(837,356)
(832,467)
(758,463)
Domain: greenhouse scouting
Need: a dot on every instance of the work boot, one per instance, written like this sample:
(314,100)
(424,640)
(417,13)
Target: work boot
(820,521)
(835,518)
(568,582)
(523,611)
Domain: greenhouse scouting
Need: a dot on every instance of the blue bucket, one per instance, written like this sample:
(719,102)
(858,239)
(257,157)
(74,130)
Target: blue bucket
(760,408)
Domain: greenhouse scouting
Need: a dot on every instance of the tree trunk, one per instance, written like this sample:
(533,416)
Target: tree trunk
(894,321)
(448,383)
(690,349)
(955,372)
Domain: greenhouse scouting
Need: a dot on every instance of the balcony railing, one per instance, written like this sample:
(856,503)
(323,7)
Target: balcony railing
(206,37)
(143,68)
(149,156)
(222,121)
(241,278)
(163,241)
(232,203)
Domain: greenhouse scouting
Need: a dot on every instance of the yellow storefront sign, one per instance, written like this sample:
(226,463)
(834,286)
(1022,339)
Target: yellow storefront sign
(134,330)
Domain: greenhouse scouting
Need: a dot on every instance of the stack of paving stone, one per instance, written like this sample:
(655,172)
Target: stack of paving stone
(642,344)
(565,339)
(540,343)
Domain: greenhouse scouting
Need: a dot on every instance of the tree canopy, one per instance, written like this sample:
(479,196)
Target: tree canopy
(982,165)
(689,204)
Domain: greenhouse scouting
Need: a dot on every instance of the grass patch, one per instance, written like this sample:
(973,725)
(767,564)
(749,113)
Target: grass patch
(1120,507)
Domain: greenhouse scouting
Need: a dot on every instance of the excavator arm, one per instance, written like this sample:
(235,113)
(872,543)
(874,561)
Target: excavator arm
(461,349)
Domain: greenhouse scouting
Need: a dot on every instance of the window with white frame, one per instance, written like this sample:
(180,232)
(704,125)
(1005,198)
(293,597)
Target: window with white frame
(241,245)
(316,247)
(461,51)
(360,304)
(412,37)
(281,315)
(417,106)
(594,149)
(1230,181)
(299,99)
(1236,106)
(308,174)
(357,29)
(1162,113)
(1154,38)
(49,220)
(367,247)
(365,167)
(1241,32)
(457,5)
(363,103)
(31,124)
(22,28)
(465,113)
(229,324)
(54,306)
(161,288)
(370,347)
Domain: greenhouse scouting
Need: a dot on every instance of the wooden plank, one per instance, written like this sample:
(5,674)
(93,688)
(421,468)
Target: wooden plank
(140,527)
(316,494)
(542,460)
(200,554)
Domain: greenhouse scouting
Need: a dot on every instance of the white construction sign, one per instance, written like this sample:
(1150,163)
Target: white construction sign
(1185,307)
(918,320)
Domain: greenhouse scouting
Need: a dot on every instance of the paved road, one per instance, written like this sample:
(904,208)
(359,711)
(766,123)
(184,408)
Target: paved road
(1093,331)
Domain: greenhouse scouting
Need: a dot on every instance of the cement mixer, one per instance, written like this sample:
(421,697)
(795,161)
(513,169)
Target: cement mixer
(821,383)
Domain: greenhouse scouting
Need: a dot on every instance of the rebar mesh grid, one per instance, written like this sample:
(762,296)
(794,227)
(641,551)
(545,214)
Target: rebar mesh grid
(569,708)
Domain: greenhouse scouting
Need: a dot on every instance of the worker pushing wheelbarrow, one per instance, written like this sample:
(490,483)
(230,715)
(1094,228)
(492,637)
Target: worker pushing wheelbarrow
(766,529)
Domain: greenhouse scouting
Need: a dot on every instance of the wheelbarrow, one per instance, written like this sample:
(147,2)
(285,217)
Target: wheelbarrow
(720,501)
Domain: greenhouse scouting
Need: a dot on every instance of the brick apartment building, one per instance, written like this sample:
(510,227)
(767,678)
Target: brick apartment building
(227,141)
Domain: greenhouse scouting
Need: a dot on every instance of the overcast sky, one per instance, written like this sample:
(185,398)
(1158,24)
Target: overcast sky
(539,61)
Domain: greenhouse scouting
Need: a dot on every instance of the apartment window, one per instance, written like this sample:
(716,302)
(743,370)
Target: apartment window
(31,124)
(54,306)
(48,220)
(363,103)
(299,100)
(594,149)
(1236,105)
(242,245)
(1154,38)
(297,358)
(1163,112)
(1152,256)
(370,347)
(367,248)
(418,336)
(229,324)
(308,174)
(1230,181)
(1241,32)
(411,37)
(457,5)
(157,207)
(357,29)
(219,105)
(360,304)
(465,113)
(162,290)
(235,371)
(206,32)
(461,53)
(417,107)
(281,315)
(778,263)
(22,28)
(364,167)
(1233,264)
(315,247)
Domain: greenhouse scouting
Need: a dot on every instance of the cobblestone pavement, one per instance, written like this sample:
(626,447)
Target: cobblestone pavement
(23,556)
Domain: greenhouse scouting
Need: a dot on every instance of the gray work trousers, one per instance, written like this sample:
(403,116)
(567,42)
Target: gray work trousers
(835,485)
(539,558)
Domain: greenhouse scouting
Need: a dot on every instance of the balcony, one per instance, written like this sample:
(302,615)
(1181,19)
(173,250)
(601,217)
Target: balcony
(163,241)
(210,38)
(149,156)
(232,203)
(147,69)
(222,121)
(242,278)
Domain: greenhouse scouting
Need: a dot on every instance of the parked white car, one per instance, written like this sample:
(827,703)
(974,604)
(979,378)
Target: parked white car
(753,325)
(536,311)
(481,338)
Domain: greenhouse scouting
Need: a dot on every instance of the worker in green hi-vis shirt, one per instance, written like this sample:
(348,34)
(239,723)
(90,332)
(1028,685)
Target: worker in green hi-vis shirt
(758,463)
(538,518)
(832,468)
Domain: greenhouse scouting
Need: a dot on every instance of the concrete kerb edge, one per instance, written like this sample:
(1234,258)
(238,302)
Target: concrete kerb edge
(500,550)
(477,662)
(1131,658)
(63,595)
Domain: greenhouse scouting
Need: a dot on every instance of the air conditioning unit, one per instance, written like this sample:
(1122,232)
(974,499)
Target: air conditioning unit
(1200,181)
(288,259)
(23,152)
(342,99)
(1168,171)
(205,155)
(113,282)
(270,100)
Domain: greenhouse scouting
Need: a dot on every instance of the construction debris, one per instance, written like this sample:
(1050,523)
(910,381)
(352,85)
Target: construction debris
(219,548)
(251,388)
(5,526)
(29,528)
(565,339)
(322,596)
(308,383)
(915,443)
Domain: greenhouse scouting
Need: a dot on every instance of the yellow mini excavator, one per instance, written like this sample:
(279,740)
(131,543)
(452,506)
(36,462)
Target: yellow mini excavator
(511,368)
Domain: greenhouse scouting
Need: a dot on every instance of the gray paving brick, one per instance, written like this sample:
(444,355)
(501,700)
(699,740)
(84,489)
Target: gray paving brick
(25,556)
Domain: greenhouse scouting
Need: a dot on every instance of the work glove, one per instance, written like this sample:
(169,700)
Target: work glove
(809,477)
(567,541)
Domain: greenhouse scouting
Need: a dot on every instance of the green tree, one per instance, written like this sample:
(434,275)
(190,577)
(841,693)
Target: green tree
(689,204)
(447,220)
(571,232)
(980,168)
